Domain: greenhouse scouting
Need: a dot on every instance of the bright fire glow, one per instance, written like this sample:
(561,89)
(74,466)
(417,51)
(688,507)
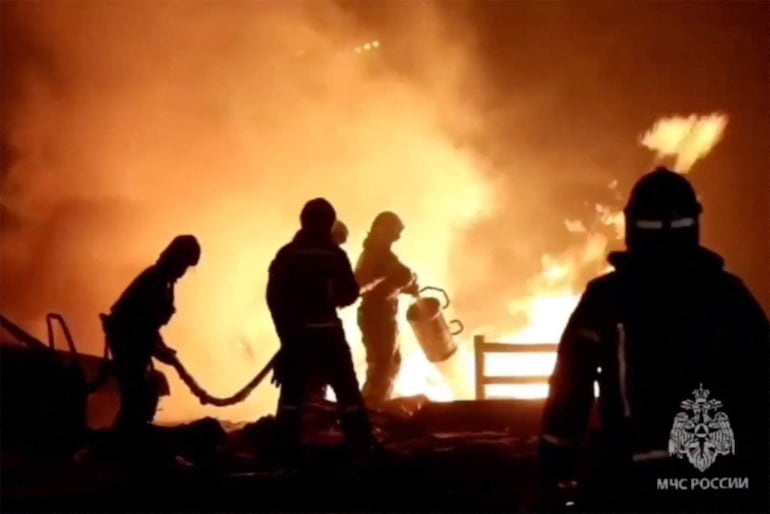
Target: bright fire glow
(685,138)
(222,121)
(555,290)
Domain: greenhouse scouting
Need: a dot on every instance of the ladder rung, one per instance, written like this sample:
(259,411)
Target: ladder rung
(541,379)
(518,348)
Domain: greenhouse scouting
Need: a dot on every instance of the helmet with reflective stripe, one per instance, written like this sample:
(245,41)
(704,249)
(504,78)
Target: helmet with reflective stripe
(662,212)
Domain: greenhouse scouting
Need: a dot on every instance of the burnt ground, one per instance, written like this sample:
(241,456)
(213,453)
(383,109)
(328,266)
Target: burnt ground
(438,457)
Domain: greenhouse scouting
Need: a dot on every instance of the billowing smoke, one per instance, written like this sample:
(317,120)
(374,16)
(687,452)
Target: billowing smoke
(130,122)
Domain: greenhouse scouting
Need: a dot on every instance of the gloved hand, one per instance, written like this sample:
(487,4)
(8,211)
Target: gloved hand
(165,354)
(413,288)
(275,379)
(278,368)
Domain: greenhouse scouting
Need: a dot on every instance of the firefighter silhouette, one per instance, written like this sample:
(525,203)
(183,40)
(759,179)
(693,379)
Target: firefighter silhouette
(132,330)
(382,278)
(309,279)
(667,319)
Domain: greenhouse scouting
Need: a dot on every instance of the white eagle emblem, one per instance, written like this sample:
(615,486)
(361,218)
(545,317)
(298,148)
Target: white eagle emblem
(703,435)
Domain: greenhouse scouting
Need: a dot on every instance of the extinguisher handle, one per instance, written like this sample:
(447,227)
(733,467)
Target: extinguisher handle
(431,288)
(460,325)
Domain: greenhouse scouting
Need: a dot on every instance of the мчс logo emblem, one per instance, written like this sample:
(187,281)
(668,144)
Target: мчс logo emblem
(701,432)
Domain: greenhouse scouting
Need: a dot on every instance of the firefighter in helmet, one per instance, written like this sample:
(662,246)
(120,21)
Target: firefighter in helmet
(669,325)
(309,279)
(132,330)
(382,278)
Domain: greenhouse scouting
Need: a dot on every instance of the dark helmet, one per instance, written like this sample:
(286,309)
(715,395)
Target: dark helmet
(184,251)
(318,215)
(662,213)
(387,226)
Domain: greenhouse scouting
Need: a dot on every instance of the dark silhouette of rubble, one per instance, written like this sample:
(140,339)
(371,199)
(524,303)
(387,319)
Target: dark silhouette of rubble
(448,457)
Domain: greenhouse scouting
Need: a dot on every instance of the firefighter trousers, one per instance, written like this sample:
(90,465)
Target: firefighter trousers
(383,356)
(320,353)
(132,361)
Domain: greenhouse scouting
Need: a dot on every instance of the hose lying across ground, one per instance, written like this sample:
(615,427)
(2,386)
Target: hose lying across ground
(207,399)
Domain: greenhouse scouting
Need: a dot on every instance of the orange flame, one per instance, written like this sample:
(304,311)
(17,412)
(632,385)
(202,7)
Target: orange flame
(554,291)
(687,139)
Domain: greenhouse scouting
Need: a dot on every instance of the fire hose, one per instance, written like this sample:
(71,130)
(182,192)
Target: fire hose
(207,399)
(203,396)
(340,235)
(106,370)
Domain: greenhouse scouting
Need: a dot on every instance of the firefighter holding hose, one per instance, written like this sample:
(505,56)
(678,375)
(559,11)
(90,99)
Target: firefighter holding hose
(132,330)
(679,347)
(382,278)
(309,279)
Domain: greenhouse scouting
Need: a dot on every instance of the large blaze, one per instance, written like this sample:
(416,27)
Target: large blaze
(555,291)
(201,118)
(221,120)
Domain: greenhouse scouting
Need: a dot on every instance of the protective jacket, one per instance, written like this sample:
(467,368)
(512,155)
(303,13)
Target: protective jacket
(380,263)
(142,310)
(310,278)
(679,350)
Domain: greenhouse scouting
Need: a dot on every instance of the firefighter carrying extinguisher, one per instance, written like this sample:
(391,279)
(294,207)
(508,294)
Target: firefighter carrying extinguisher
(382,278)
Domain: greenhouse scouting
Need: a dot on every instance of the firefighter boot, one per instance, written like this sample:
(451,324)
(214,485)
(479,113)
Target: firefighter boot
(287,450)
(357,427)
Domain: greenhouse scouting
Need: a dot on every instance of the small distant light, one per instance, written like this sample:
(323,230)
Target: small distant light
(357,49)
(368,46)
(375,44)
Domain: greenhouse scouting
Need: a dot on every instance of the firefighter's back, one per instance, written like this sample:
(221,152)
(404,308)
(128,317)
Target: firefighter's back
(683,387)
(310,278)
